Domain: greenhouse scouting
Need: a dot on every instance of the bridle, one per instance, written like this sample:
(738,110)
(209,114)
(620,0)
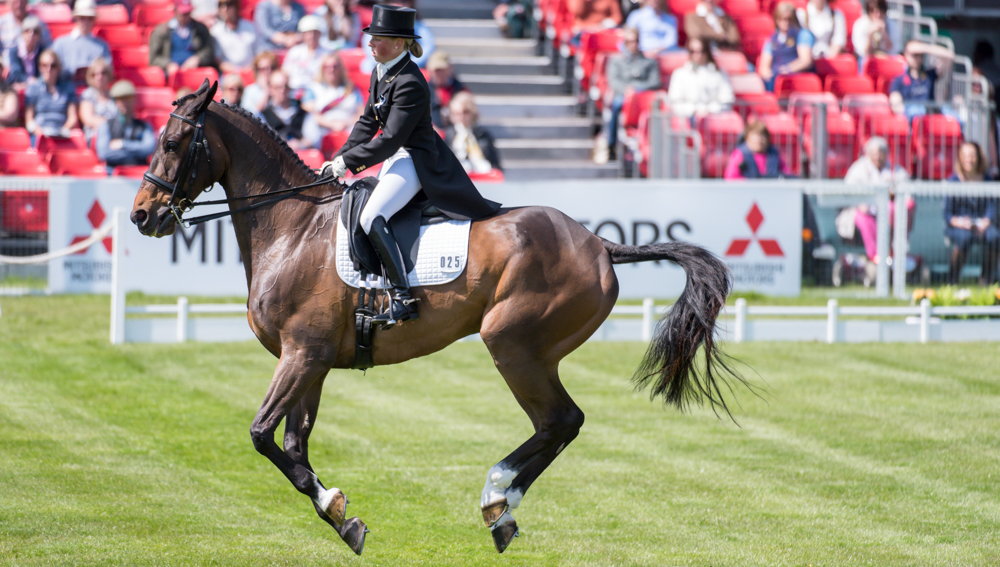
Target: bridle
(189,170)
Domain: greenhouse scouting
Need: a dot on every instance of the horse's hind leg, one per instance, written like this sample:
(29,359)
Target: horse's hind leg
(294,394)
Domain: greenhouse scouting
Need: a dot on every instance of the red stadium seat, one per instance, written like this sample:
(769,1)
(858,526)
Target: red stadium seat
(23,162)
(132,57)
(154,98)
(52,13)
(757,24)
(752,43)
(152,15)
(352,58)
(133,171)
(25,211)
(862,108)
(47,145)
(730,62)
(785,85)
(111,15)
(671,61)
(841,86)
(801,104)
(590,45)
(681,7)
(635,105)
(144,77)
(756,104)
(59,30)
(719,133)
(192,78)
(157,119)
(784,132)
(332,143)
(364,14)
(840,142)
(491,176)
(852,9)
(247,74)
(896,131)
(740,8)
(936,139)
(747,83)
(78,163)
(842,65)
(882,70)
(313,158)
(14,139)
(128,36)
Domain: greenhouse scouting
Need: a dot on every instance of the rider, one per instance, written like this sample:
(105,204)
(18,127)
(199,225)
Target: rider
(399,104)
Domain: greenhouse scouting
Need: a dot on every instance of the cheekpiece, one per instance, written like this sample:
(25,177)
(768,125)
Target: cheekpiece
(393,21)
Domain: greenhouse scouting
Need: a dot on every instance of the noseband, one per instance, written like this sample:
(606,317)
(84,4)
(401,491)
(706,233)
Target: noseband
(188,170)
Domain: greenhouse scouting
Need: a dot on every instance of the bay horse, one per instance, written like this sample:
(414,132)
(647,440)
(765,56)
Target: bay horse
(537,284)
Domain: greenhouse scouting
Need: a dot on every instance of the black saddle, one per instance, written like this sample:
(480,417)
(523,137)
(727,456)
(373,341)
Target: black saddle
(405,226)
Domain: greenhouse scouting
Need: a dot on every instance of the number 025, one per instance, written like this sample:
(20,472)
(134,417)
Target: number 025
(451,261)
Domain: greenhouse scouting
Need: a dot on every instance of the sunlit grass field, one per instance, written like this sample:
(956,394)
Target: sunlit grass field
(141,455)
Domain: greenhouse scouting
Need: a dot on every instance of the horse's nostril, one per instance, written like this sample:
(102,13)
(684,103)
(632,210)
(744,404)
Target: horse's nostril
(139,217)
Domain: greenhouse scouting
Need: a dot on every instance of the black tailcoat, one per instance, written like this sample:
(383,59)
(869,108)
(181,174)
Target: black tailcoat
(399,105)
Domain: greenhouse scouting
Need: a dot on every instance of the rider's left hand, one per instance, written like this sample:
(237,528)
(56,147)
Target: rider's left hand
(336,168)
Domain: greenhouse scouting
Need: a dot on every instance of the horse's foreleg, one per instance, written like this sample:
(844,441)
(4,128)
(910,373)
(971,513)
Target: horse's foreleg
(294,395)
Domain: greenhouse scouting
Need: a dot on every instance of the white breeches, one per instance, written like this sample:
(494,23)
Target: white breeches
(398,183)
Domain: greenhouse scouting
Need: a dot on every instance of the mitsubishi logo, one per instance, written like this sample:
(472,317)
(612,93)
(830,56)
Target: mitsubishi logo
(739,246)
(96,217)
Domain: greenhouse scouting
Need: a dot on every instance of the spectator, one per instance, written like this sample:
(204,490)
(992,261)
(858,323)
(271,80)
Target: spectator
(473,145)
(971,219)
(627,73)
(909,92)
(755,157)
(232,88)
(710,23)
(874,34)
(96,104)
(657,27)
(302,61)
(9,109)
(12,24)
(235,39)
(50,102)
(339,26)
(827,25)
(205,11)
(699,87)
(445,86)
(124,139)
(255,95)
(78,49)
(516,18)
(22,59)
(984,63)
(277,22)
(872,168)
(789,50)
(425,37)
(181,43)
(333,102)
(284,114)
(594,15)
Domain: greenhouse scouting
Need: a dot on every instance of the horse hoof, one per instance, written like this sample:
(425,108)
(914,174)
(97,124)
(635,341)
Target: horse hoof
(504,531)
(353,533)
(493,512)
(336,507)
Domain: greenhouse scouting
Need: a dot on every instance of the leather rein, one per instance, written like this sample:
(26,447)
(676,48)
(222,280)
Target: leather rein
(189,170)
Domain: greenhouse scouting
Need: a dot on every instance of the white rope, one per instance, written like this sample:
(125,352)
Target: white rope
(98,234)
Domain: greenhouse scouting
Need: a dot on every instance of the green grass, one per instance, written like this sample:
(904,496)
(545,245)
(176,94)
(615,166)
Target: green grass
(140,455)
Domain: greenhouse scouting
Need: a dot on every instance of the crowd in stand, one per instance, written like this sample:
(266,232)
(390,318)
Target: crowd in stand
(302,68)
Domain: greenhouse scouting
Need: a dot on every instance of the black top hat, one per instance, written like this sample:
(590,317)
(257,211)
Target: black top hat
(393,21)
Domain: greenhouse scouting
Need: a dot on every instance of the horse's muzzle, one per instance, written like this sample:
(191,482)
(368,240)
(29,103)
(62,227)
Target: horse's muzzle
(160,223)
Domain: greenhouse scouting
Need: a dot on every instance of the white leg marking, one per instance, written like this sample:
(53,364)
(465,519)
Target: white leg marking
(497,481)
(514,498)
(325,497)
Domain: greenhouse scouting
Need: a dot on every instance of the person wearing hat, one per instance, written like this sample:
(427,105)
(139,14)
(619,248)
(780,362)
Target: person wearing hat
(125,140)
(12,25)
(181,43)
(78,49)
(412,155)
(302,61)
(23,56)
(444,86)
(424,34)
(277,23)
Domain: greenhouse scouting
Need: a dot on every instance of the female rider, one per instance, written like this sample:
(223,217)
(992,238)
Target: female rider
(415,156)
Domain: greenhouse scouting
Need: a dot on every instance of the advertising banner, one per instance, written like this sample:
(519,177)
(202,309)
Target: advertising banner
(754,227)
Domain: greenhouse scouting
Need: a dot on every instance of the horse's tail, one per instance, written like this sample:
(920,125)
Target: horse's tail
(670,367)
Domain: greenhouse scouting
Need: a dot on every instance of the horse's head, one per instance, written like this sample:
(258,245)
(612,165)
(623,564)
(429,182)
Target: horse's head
(186,161)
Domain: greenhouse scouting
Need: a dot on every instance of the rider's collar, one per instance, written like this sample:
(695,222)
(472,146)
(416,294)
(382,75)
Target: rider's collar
(383,69)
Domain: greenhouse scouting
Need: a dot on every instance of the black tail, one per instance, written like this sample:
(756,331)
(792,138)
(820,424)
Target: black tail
(669,366)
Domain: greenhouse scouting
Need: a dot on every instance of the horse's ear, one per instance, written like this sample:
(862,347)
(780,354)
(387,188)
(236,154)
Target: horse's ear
(209,90)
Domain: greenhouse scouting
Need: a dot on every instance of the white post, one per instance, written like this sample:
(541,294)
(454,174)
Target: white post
(899,247)
(882,241)
(182,319)
(831,321)
(740,333)
(118,217)
(648,319)
(925,320)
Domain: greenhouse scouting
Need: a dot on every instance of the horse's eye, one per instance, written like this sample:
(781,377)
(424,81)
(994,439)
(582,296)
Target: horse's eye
(170,146)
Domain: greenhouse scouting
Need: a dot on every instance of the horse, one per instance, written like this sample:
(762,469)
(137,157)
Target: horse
(537,284)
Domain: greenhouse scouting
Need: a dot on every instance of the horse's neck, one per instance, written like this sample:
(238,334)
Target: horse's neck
(259,165)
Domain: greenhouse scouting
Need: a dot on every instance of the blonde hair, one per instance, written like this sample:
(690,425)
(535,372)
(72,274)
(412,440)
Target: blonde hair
(980,168)
(414,48)
(99,63)
(343,79)
(785,10)
(465,101)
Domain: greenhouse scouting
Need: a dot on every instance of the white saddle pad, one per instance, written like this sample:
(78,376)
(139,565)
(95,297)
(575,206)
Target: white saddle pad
(441,256)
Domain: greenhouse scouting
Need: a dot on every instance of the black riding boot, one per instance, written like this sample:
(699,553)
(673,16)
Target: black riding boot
(402,307)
